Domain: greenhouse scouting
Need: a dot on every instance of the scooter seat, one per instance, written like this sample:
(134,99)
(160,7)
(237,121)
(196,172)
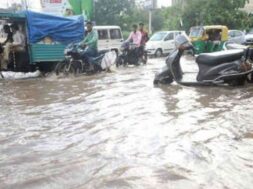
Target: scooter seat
(220,57)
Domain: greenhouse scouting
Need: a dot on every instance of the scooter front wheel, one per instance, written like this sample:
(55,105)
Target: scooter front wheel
(69,70)
(59,68)
(163,77)
(166,80)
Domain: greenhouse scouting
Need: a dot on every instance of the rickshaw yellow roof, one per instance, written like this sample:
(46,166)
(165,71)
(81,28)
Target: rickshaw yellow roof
(215,27)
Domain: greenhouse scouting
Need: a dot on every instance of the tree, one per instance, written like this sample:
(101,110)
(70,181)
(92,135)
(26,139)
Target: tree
(172,17)
(158,20)
(113,12)
(206,12)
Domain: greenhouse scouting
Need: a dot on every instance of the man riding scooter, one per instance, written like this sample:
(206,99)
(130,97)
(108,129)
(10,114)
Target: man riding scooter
(90,44)
(135,37)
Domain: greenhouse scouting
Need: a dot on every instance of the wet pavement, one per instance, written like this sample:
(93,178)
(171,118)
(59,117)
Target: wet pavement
(116,130)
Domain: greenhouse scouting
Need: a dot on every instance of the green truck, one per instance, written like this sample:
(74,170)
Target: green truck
(46,37)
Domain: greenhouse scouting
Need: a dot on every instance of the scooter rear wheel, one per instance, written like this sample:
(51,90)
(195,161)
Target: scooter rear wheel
(237,82)
(145,58)
(119,61)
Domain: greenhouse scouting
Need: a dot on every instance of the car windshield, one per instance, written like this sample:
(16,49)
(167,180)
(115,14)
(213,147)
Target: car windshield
(158,36)
(196,32)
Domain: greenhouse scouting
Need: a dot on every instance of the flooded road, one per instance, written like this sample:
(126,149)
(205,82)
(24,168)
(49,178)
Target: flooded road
(117,131)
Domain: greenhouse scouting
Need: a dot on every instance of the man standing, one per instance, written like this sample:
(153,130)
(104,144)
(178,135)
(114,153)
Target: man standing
(9,38)
(144,39)
(18,44)
(90,44)
(144,34)
(7,44)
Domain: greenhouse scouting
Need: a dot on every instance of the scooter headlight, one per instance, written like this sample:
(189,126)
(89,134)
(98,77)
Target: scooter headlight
(182,41)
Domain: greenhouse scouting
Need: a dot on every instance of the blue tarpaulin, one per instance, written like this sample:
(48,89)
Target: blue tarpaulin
(60,29)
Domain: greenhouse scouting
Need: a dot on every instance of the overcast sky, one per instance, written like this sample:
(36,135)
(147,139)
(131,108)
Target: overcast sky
(35,3)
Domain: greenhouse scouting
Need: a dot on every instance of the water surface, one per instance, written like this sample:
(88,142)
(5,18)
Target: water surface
(116,130)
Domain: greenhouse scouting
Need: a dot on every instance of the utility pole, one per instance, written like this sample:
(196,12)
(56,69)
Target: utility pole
(150,21)
(24,4)
(153,5)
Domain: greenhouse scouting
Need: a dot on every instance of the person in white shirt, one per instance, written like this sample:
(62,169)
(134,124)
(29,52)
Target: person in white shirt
(18,39)
(17,44)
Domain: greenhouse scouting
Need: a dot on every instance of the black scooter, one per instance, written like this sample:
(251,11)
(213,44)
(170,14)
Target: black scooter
(231,67)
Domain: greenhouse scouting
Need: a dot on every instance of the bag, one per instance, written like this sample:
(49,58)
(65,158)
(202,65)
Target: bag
(108,60)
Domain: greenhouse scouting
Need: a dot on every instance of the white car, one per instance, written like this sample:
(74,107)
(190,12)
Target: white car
(109,37)
(236,36)
(162,43)
(249,37)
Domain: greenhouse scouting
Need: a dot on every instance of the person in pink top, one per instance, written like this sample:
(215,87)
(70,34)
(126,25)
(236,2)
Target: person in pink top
(135,36)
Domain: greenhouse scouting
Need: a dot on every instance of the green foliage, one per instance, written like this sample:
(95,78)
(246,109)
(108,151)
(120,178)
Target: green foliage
(158,20)
(194,12)
(208,12)
(173,17)
(113,12)
(124,13)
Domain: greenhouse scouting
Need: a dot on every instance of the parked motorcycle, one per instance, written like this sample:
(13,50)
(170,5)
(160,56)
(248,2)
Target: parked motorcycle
(75,64)
(231,67)
(131,55)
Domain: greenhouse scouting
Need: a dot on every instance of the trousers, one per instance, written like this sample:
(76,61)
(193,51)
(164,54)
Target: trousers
(88,54)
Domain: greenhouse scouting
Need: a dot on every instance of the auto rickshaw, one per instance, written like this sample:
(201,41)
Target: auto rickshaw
(208,38)
(46,37)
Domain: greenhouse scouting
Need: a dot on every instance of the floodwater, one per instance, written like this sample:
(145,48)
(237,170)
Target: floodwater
(117,131)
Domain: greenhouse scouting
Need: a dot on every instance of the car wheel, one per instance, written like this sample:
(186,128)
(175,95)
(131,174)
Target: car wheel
(158,53)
